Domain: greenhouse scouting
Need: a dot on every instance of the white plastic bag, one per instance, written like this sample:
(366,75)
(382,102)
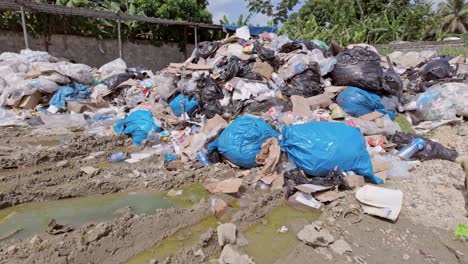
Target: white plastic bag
(8,118)
(80,72)
(370,127)
(116,66)
(326,64)
(164,85)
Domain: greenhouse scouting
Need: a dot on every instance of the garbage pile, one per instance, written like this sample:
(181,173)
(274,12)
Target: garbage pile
(316,119)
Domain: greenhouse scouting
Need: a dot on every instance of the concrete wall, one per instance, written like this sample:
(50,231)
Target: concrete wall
(95,52)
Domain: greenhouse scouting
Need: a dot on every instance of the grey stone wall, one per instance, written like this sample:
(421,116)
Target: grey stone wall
(96,52)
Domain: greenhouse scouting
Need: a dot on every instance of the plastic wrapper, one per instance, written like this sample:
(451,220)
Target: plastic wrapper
(436,69)
(433,150)
(305,84)
(358,102)
(318,147)
(138,124)
(242,140)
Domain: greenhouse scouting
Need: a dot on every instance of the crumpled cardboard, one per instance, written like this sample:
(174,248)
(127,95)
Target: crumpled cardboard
(380,201)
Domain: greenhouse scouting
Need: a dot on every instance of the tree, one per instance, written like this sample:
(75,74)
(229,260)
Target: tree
(455,15)
(279,13)
(240,21)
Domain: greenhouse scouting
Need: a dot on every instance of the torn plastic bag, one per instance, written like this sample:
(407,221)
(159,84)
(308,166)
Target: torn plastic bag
(210,94)
(266,55)
(242,140)
(436,69)
(165,85)
(115,80)
(235,67)
(206,48)
(190,104)
(371,128)
(306,84)
(318,147)
(75,92)
(359,67)
(433,150)
(79,72)
(358,102)
(138,124)
(296,177)
(432,105)
(390,103)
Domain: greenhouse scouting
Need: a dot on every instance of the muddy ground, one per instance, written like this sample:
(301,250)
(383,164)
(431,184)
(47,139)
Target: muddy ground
(42,166)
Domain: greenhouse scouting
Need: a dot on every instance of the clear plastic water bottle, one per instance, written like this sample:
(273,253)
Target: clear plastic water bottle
(202,157)
(117,157)
(412,148)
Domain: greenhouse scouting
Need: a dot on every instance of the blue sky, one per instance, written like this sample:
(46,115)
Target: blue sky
(233,8)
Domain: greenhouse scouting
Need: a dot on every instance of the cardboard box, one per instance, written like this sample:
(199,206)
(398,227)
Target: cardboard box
(30,101)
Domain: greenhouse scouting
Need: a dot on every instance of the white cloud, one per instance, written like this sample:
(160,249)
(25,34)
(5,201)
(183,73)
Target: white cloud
(259,19)
(215,4)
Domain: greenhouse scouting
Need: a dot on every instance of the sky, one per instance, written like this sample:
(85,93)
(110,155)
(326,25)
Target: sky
(233,8)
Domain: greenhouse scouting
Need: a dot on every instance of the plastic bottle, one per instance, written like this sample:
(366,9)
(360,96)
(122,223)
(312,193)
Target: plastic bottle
(117,157)
(412,148)
(202,157)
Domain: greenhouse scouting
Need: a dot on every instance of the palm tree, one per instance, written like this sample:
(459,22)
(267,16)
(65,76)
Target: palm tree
(455,15)
(240,21)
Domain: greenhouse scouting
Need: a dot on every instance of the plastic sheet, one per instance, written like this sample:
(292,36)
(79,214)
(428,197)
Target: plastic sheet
(358,102)
(114,67)
(138,124)
(433,150)
(318,147)
(206,48)
(242,140)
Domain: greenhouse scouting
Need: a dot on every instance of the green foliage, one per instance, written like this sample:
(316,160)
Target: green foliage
(240,21)
(43,25)
(279,13)
(364,21)
(455,16)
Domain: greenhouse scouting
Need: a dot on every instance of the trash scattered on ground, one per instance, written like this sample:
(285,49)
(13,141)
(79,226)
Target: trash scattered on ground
(280,114)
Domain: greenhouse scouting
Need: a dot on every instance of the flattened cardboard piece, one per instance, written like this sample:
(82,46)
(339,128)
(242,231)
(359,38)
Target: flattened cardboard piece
(371,116)
(329,196)
(380,165)
(312,188)
(355,181)
(380,201)
(30,101)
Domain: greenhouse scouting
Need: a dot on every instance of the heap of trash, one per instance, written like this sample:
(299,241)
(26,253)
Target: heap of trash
(315,118)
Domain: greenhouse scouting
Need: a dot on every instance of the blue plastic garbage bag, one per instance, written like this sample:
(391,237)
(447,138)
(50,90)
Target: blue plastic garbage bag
(190,102)
(76,92)
(242,140)
(358,102)
(318,147)
(138,124)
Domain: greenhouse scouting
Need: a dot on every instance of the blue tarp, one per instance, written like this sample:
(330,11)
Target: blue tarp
(190,104)
(253,30)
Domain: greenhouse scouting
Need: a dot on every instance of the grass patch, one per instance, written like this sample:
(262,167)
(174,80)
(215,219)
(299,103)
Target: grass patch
(404,124)
(454,51)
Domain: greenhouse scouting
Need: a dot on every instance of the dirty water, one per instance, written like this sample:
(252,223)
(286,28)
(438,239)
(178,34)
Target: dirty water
(32,218)
(266,243)
(183,238)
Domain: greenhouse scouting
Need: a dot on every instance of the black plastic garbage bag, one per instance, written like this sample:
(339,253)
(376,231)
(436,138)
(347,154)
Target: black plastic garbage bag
(266,55)
(305,84)
(290,46)
(206,48)
(436,69)
(235,67)
(210,94)
(393,82)
(359,67)
(433,149)
(115,80)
